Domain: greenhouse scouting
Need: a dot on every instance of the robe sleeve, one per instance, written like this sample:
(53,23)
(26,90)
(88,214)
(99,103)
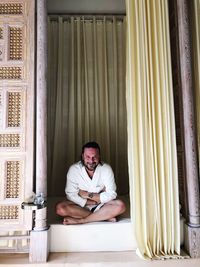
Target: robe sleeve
(110,186)
(72,188)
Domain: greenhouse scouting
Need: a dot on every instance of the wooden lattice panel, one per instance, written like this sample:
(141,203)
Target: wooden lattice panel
(0,109)
(9,212)
(10,140)
(1,52)
(13,170)
(10,73)
(17,54)
(1,33)
(14,109)
(11,9)
(16,47)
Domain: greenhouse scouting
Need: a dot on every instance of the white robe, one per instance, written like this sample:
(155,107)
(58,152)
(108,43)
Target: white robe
(78,178)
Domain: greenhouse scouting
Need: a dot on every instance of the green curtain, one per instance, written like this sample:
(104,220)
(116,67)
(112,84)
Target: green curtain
(86,95)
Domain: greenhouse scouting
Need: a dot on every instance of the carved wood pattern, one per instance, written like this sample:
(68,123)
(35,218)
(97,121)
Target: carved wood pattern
(10,73)
(16,111)
(1,109)
(173,19)
(1,33)
(1,52)
(16,42)
(9,212)
(9,140)
(190,141)
(13,171)
(11,9)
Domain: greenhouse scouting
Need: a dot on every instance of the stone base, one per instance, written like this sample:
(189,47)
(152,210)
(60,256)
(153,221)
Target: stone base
(192,241)
(39,246)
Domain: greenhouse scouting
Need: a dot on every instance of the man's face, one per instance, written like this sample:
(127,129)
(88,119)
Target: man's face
(91,158)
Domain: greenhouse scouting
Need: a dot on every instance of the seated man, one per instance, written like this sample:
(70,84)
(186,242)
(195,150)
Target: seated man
(90,190)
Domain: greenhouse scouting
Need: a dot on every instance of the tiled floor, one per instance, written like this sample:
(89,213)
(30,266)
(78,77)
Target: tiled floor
(98,259)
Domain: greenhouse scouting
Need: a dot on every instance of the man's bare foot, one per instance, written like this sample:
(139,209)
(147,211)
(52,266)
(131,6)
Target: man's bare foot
(112,220)
(70,220)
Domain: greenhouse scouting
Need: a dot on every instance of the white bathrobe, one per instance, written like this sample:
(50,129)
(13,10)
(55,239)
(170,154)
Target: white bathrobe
(77,178)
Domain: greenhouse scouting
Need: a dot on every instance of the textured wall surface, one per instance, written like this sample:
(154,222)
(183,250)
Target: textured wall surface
(86,6)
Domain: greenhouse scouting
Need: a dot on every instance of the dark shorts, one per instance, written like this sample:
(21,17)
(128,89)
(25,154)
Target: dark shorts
(95,208)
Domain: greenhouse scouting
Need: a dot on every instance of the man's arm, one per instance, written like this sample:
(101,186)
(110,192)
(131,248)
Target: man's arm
(110,187)
(90,196)
(109,191)
(72,188)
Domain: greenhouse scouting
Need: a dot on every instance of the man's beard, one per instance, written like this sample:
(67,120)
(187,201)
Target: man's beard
(90,167)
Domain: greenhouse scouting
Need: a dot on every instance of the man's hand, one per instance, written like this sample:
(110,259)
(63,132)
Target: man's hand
(91,202)
(95,197)
(83,194)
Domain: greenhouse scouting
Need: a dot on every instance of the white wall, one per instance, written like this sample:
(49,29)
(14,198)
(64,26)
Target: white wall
(86,6)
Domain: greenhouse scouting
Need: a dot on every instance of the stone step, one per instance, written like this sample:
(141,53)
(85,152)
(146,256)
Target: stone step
(99,236)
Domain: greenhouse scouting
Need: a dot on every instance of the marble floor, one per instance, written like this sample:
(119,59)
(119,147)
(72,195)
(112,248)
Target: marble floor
(94,259)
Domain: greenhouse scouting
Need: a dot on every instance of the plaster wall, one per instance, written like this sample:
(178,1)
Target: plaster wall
(86,6)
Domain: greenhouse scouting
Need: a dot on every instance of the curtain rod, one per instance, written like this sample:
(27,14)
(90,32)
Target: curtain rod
(87,16)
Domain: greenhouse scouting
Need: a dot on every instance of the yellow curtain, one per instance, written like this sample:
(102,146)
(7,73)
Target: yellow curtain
(152,152)
(196,60)
(86,95)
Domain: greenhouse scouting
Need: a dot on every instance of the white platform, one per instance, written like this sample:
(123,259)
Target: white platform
(99,236)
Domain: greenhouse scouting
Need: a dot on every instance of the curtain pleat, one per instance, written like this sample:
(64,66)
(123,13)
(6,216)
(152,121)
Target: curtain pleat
(152,152)
(86,95)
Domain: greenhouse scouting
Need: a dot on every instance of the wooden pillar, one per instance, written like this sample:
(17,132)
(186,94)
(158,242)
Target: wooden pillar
(192,229)
(41,105)
(41,111)
(39,236)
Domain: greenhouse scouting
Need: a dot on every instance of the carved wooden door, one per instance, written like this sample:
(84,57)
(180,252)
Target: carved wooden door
(173,20)
(16,111)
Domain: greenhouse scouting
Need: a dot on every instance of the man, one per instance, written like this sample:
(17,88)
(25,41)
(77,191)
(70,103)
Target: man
(90,190)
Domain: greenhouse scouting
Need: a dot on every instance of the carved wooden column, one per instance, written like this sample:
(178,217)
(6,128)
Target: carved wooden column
(39,236)
(192,229)
(41,103)
(41,111)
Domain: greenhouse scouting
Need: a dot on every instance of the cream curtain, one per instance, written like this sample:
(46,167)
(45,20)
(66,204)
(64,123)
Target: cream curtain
(152,152)
(86,95)
(196,60)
